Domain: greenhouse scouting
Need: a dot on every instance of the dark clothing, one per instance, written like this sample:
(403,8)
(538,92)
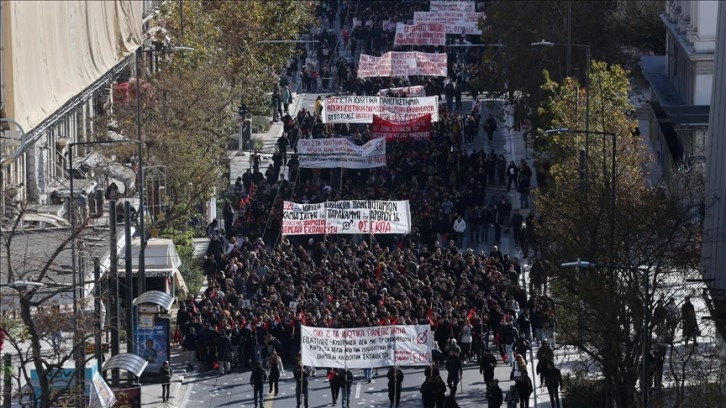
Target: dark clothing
(495,397)
(454,367)
(345,382)
(553,381)
(301,385)
(257,381)
(395,379)
(486,367)
(524,389)
(166,374)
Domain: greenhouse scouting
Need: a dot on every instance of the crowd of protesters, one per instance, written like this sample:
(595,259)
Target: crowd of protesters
(263,286)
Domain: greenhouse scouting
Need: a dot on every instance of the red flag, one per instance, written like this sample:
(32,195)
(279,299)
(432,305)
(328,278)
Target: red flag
(302,318)
(379,272)
(383,299)
(394,321)
(471,313)
(266,326)
(430,315)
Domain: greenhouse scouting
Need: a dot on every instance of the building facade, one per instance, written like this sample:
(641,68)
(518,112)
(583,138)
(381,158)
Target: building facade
(681,83)
(59,61)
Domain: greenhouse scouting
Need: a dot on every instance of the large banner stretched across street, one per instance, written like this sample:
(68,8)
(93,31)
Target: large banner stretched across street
(346,217)
(415,129)
(360,109)
(455,22)
(341,153)
(366,347)
(420,34)
(399,64)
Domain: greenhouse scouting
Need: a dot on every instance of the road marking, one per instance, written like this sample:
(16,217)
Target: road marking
(357,390)
(267,403)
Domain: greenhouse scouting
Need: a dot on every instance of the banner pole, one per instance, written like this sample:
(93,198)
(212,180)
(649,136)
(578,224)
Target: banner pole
(370,229)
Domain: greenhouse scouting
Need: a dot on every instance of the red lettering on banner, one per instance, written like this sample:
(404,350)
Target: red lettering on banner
(380,227)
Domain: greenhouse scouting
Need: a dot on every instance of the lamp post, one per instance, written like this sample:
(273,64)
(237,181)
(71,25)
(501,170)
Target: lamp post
(141,282)
(644,380)
(613,175)
(71,218)
(543,43)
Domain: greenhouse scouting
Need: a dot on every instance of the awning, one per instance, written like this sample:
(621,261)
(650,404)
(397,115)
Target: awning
(127,361)
(156,297)
(160,257)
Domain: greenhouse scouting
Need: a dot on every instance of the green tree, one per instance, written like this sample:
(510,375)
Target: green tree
(189,109)
(653,229)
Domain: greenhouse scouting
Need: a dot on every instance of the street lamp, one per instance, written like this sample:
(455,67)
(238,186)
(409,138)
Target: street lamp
(544,43)
(141,283)
(613,174)
(71,217)
(646,314)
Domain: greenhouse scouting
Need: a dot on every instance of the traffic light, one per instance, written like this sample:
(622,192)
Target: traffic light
(242,110)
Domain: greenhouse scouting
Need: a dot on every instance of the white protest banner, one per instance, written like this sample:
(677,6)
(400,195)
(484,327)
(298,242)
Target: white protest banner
(360,109)
(389,217)
(420,34)
(461,6)
(366,347)
(347,217)
(455,22)
(410,91)
(328,146)
(394,63)
(368,156)
(303,219)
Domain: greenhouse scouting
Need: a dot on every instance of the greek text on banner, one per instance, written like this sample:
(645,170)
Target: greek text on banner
(395,63)
(366,347)
(346,217)
(360,109)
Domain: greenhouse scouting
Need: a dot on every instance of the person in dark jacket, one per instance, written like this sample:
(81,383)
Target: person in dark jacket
(166,374)
(439,390)
(524,389)
(345,382)
(495,396)
(333,382)
(455,369)
(190,344)
(257,381)
(224,353)
(274,363)
(427,393)
(395,379)
(486,367)
(553,381)
(301,375)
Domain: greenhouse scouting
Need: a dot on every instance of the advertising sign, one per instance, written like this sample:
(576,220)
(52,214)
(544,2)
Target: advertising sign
(360,109)
(341,153)
(420,34)
(366,347)
(398,64)
(455,22)
(346,217)
(414,129)
(153,344)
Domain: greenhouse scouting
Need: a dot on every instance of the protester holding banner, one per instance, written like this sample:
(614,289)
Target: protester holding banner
(301,375)
(395,381)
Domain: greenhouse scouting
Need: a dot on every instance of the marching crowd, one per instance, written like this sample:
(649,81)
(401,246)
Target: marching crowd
(262,286)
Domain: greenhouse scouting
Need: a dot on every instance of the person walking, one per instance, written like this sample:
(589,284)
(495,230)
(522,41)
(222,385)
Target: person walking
(190,343)
(495,396)
(455,371)
(224,353)
(395,379)
(345,382)
(486,367)
(460,229)
(368,374)
(490,125)
(332,377)
(257,381)
(524,389)
(166,373)
(439,389)
(301,375)
(553,381)
(690,324)
(427,392)
(275,364)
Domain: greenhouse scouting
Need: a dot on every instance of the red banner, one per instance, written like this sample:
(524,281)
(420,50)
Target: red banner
(414,129)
